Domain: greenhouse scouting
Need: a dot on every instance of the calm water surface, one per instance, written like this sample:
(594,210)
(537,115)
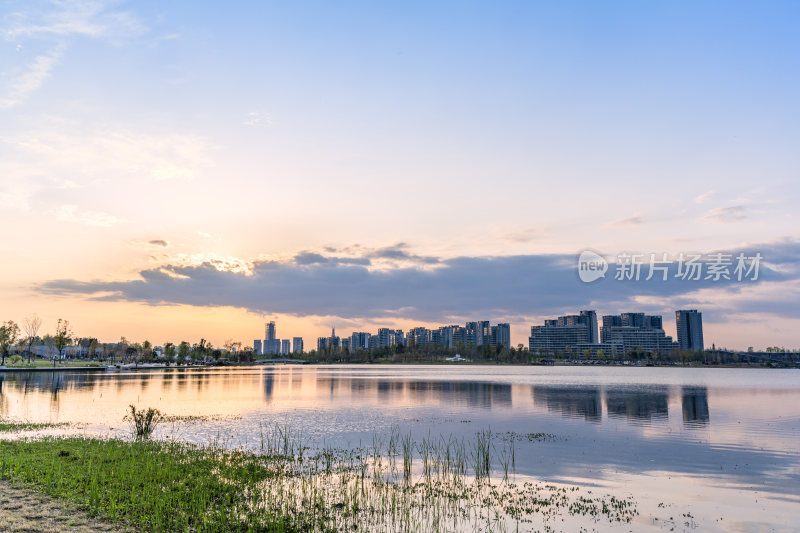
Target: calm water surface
(721,445)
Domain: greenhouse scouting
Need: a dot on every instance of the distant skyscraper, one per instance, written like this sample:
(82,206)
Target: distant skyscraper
(359,340)
(689,323)
(501,335)
(286,347)
(257,347)
(297,345)
(385,337)
(590,319)
(636,331)
(610,321)
(633,320)
(322,344)
(271,344)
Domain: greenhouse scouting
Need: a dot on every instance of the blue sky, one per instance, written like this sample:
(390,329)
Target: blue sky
(257,131)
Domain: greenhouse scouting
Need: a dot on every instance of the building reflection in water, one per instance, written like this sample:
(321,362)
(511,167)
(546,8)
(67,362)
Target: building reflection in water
(694,402)
(638,404)
(332,388)
(573,402)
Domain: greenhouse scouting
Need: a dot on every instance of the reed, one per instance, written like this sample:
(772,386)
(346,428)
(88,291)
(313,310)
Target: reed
(143,422)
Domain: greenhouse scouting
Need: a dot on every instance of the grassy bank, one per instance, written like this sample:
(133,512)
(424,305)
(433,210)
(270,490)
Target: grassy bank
(151,485)
(48,363)
(10,426)
(394,485)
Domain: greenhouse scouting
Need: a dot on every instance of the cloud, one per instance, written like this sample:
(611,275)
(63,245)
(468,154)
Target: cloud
(311,258)
(32,79)
(108,152)
(158,242)
(311,283)
(704,197)
(630,221)
(255,118)
(71,213)
(525,235)
(75,18)
(733,213)
(56,25)
(398,253)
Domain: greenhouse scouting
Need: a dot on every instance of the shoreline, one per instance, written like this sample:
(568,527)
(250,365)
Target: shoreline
(398,363)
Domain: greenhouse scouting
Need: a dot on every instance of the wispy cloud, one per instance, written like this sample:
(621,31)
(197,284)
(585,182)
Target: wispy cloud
(733,213)
(702,198)
(71,213)
(158,242)
(75,17)
(630,221)
(525,235)
(256,118)
(55,24)
(32,79)
(119,153)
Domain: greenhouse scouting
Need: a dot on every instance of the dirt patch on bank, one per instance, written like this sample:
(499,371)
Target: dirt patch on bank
(28,511)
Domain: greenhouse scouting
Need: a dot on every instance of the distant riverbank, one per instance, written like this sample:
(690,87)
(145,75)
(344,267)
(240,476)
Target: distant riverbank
(100,367)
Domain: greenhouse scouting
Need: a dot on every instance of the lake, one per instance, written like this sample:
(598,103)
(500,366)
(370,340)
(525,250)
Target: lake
(698,448)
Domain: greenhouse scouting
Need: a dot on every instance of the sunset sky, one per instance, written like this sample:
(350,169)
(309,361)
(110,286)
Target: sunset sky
(178,170)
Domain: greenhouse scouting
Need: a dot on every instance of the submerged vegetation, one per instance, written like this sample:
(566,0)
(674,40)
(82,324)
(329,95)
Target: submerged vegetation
(396,484)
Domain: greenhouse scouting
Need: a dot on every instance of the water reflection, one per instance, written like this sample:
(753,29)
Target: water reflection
(638,404)
(581,402)
(618,420)
(694,403)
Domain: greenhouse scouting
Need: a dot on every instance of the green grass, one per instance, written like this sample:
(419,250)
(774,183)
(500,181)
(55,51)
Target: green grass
(48,363)
(7,426)
(151,485)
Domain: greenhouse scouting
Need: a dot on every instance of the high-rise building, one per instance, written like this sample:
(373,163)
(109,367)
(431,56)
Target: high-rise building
(286,347)
(359,340)
(419,336)
(589,318)
(689,323)
(501,335)
(257,347)
(297,345)
(636,331)
(564,333)
(609,321)
(554,338)
(385,337)
(322,344)
(271,344)
(334,341)
(631,338)
(629,320)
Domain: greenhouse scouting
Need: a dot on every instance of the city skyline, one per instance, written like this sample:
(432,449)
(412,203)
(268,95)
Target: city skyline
(576,333)
(418,164)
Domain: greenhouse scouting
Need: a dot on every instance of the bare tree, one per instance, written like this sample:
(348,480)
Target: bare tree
(30,326)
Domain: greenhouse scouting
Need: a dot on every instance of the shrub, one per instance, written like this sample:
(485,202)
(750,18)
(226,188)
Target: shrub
(142,422)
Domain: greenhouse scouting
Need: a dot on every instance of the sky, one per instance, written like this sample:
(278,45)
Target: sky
(186,170)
